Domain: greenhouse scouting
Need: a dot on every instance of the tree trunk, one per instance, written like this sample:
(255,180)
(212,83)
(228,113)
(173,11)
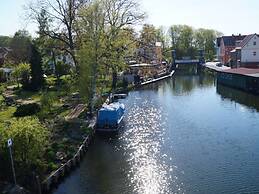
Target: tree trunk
(114,79)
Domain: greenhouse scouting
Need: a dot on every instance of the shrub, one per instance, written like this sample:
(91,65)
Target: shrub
(27,110)
(23,71)
(30,139)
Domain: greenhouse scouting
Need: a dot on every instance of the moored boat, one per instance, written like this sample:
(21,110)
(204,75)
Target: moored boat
(109,117)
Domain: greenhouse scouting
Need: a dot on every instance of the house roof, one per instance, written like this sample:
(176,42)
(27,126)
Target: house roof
(231,40)
(246,40)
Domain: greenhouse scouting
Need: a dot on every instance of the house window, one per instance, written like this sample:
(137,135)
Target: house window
(254,43)
(254,53)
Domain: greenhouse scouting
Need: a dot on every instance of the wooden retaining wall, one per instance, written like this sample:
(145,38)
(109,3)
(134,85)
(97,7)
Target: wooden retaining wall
(54,178)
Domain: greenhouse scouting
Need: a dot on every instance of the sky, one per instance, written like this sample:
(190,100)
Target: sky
(226,16)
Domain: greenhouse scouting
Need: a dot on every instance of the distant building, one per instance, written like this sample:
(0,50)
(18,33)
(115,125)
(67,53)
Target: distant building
(225,45)
(246,52)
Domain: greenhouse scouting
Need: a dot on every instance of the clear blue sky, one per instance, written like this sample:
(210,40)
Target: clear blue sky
(227,16)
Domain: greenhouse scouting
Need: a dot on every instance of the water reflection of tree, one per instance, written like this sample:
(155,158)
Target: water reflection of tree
(183,83)
(187,83)
(239,96)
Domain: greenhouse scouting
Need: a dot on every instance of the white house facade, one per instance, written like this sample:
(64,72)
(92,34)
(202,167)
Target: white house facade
(250,49)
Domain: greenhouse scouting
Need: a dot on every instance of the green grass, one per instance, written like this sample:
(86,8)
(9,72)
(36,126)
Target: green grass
(6,115)
(28,94)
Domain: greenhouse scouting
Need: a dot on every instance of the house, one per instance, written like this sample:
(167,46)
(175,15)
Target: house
(225,45)
(246,53)
(3,53)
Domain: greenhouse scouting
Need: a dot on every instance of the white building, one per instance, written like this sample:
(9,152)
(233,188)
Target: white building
(246,53)
(250,49)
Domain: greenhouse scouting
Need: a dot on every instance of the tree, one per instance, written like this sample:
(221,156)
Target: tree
(21,47)
(92,49)
(5,41)
(205,39)
(61,16)
(147,42)
(22,72)
(30,139)
(105,34)
(187,41)
(119,15)
(36,68)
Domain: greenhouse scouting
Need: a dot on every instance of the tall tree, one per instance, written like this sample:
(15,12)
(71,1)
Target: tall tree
(205,39)
(21,47)
(5,41)
(119,15)
(106,36)
(36,68)
(62,16)
(147,42)
(91,52)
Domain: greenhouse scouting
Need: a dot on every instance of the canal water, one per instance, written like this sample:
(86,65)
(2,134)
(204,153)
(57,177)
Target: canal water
(181,135)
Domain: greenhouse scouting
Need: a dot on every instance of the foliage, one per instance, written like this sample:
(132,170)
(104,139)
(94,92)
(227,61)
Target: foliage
(62,69)
(36,68)
(146,43)
(22,72)
(27,110)
(105,36)
(91,50)
(187,40)
(29,140)
(47,100)
(5,41)
(21,47)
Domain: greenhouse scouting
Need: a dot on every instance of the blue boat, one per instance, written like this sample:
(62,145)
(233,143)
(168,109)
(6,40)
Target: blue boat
(110,116)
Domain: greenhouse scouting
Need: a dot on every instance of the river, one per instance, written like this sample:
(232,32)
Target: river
(181,135)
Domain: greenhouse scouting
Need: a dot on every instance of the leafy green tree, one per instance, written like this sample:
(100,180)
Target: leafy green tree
(205,39)
(21,47)
(187,41)
(29,140)
(119,15)
(5,41)
(92,49)
(22,73)
(105,35)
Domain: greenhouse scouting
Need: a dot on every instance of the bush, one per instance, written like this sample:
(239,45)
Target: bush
(27,110)
(30,139)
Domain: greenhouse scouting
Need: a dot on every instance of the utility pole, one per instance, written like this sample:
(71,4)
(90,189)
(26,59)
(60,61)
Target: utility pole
(9,144)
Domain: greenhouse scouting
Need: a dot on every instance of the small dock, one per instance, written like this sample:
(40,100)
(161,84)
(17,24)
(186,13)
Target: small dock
(158,79)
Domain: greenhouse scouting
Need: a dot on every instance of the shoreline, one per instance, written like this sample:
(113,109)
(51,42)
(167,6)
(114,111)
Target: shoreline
(55,178)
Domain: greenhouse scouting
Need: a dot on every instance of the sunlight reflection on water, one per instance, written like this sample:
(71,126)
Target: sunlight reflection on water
(143,138)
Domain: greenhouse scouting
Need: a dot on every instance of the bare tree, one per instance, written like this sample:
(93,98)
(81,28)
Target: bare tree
(61,16)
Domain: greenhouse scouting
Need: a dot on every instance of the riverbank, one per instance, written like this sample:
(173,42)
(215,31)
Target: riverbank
(181,136)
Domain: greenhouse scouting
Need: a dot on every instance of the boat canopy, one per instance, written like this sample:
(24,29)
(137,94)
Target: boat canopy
(110,115)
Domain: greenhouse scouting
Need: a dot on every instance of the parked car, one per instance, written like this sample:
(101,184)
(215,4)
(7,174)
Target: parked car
(218,64)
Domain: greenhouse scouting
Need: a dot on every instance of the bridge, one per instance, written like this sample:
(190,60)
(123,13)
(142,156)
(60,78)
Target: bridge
(188,61)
